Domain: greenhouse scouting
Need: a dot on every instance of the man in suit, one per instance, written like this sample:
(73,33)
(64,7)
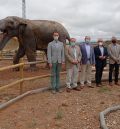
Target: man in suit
(55,53)
(101,55)
(114,60)
(73,58)
(88,59)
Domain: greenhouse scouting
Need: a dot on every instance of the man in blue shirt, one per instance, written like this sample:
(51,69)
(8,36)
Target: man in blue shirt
(87,61)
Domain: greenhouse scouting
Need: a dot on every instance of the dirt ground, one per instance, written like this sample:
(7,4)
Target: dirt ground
(113,120)
(75,110)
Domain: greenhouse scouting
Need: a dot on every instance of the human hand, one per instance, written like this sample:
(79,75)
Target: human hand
(50,65)
(75,62)
(101,57)
(104,57)
(63,64)
(117,60)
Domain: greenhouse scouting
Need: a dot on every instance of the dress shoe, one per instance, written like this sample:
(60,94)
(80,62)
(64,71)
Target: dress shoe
(53,92)
(77,89)
(98,85)
(110,84)
(68,90)
(91,86)
(116,83)
(82,87)
(101,84)
(59,91)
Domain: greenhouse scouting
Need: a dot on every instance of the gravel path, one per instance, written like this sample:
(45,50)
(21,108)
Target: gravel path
(113,120)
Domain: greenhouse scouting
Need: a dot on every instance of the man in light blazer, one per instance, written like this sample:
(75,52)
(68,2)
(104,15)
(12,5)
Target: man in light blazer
(88,59)
(73,58)
(114,60)
(55,54)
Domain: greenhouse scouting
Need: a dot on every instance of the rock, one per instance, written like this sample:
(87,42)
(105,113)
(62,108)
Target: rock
(102,102)
(114,122)
(64,104)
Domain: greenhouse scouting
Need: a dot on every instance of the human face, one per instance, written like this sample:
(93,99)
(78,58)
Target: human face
(87,39)
(114,40)
(100,42)
(72,41)
(56,36)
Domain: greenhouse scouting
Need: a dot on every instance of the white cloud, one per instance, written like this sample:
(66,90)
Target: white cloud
(97,18)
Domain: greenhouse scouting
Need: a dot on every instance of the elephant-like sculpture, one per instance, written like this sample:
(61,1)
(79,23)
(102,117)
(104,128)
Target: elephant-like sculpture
(32,35)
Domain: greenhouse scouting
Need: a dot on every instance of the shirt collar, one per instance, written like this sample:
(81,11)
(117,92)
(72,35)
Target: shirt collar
(114,44)
(100,46)
(87,44)
(55,41)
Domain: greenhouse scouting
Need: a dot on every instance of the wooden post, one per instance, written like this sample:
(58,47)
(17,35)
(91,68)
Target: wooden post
(21,76)
(0,55)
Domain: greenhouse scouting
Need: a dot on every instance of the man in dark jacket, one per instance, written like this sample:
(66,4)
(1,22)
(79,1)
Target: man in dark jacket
(101,55)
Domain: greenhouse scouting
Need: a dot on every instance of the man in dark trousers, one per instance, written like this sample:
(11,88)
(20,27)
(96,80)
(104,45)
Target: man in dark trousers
(101,55)
(114,60)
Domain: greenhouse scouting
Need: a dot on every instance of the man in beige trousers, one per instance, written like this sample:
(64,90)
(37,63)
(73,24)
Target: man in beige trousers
(88,59)
(73,58)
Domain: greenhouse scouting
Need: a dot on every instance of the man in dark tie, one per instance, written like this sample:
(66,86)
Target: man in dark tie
(101,55)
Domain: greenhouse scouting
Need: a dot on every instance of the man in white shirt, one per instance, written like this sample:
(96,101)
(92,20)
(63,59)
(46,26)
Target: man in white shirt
(101,55)
(73,58)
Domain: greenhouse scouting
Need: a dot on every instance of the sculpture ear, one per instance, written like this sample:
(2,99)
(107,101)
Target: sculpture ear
(10,24)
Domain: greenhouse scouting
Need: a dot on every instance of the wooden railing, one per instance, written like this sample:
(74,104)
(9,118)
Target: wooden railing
(8,55)
(22,79)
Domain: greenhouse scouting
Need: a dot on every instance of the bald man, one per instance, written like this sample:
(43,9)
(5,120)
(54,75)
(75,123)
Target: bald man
(114,60)
(73,58)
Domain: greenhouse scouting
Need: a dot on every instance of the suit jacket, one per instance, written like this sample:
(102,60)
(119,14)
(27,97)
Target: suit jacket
(112,56)
(55,54)
(84,54)
(98,53)
(69,54)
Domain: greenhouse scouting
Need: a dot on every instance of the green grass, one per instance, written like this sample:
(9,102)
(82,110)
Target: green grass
(104,89)
(32,124)
(59,115)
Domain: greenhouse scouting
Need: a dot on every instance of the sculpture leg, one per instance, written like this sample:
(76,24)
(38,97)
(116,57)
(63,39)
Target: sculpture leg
(31,56)
(47,65)
(19,54)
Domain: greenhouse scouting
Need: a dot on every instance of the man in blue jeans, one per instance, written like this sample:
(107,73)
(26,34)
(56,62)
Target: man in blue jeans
(56,58)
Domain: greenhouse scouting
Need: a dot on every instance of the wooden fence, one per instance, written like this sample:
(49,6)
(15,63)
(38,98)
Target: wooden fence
(20,81)
(8,55)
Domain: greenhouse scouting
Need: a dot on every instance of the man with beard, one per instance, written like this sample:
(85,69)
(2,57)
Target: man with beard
(114,60)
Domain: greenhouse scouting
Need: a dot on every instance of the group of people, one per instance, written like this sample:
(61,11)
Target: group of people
(82,57)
